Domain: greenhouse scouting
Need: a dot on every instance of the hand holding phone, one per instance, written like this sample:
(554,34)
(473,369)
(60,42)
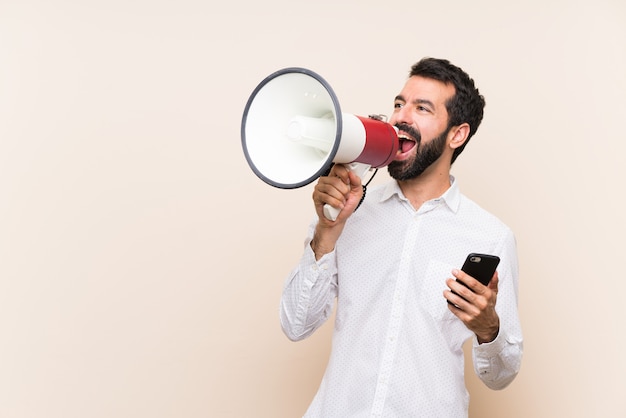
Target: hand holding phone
(479,266)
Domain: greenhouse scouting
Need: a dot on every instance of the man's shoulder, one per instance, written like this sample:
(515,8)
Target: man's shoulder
(475,211)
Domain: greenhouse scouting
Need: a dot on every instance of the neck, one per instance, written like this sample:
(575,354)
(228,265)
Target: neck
(431,184)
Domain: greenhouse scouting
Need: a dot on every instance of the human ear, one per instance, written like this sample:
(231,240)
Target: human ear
(458,135)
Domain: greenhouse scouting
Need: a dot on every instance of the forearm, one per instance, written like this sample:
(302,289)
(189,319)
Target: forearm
(498,362)
(308,296)
(325,237)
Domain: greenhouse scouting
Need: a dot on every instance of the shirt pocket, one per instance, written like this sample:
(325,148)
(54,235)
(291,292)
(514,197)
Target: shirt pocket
(431,291)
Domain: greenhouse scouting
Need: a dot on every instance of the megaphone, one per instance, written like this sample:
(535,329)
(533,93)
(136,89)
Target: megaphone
(293,131)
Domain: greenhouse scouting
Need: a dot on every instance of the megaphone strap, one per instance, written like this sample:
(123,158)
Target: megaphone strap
(362,197)
(365,189)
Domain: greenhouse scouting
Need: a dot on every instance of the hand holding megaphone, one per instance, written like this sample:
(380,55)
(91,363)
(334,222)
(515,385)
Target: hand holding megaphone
(331,213)
(293,130)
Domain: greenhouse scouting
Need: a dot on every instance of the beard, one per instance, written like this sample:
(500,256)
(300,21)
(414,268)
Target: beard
(425,155)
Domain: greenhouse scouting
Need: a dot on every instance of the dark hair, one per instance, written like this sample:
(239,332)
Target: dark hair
(467,104)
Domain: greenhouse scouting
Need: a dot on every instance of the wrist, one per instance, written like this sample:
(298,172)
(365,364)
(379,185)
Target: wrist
(487,337)
(324,240)
(320,249)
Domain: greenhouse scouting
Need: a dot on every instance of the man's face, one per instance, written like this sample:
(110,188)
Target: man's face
(421,117)
(424,155)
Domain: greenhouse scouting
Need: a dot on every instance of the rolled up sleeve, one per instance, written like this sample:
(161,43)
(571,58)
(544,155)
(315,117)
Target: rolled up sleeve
(309,294)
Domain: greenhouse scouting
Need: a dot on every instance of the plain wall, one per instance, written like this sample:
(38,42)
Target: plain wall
(141,260)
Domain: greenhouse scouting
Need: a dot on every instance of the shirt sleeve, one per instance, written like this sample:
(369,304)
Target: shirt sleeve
(309,293)
(497,363)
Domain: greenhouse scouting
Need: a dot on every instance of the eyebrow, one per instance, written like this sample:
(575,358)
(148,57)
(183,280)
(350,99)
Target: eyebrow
(417,101)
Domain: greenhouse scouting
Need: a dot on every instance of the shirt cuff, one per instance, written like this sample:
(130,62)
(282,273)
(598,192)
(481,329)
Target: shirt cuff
(309,262)
(492,348)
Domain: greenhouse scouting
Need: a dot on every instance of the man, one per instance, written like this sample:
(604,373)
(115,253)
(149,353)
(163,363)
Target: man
(393,263)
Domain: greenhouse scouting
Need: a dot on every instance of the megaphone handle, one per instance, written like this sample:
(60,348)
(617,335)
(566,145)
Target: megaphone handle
(359,169)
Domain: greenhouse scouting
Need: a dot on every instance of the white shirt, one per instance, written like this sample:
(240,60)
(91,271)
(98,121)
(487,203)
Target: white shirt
(397,349)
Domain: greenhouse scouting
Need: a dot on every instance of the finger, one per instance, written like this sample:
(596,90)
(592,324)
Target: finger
(354,181)
(465,279)
(334,187)
(460,275)
(459,294)
(331,191)
(472,283)
(340,171)
(493,284)
(452,298)
(467,300)
(329,196)
(460,307)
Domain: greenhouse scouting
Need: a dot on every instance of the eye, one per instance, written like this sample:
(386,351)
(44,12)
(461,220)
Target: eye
(398,105)
(422,108)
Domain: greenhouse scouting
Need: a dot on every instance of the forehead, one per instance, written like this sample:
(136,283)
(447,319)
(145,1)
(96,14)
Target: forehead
(419,88)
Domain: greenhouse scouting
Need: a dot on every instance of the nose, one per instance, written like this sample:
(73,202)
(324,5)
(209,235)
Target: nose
(401,114)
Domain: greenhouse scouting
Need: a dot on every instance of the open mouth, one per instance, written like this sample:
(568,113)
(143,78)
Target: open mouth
(406,145)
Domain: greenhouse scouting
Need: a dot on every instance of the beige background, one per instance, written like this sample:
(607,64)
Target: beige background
(141,261)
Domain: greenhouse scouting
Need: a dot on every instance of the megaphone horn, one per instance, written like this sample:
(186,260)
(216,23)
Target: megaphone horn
(293,130)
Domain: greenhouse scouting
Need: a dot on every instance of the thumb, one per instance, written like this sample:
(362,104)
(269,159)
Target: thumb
(353,197)
(493,284)
(355,181)
(356,188)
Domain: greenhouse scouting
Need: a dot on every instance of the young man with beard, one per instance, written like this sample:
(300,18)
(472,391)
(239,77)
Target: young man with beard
(393,263)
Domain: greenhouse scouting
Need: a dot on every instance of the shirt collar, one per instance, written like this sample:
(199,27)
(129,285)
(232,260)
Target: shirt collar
(451,197)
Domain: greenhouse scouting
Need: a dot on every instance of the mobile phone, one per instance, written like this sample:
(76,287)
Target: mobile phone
(480,266)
